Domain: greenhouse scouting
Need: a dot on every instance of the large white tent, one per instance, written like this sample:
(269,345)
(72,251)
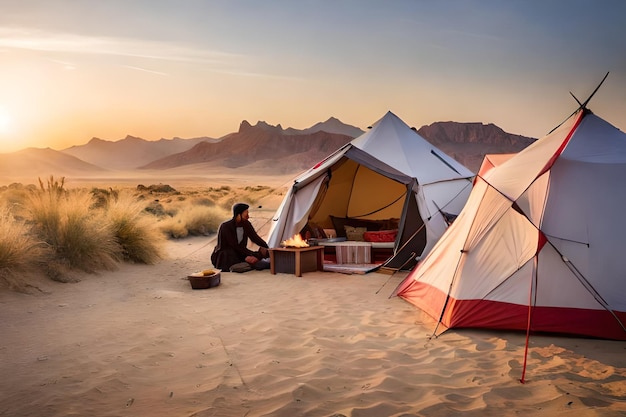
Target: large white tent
(540,243)
(388,172)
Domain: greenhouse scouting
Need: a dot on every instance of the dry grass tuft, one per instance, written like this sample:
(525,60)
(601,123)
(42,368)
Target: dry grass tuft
(134,228)
(194,220)
(19,250)
(79,235)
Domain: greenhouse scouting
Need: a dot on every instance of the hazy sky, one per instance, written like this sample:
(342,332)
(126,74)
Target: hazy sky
(73,70)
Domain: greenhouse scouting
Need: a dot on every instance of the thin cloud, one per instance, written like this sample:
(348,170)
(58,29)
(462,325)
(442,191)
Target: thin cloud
(55,42)
(64,64)
(248,74)
(36,40)
(145,70)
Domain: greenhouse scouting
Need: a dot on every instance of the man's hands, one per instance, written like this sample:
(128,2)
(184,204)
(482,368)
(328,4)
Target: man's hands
(251,260)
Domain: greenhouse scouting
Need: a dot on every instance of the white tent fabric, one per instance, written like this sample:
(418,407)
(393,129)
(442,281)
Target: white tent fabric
(392,150)
(391,141)
(540,243)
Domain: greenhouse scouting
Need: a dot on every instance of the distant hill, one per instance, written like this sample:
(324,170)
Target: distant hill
(261,149)
(32,163)
(131,152)
(332,125)
(262,145)
(468,143)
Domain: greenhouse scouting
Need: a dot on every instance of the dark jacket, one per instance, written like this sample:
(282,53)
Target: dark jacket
(228,251)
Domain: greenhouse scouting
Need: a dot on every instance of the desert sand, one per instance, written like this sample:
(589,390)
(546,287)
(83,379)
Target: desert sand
(139,341)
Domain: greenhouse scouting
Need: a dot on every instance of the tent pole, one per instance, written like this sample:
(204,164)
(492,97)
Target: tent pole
(394,272)
(522,379)
(403,246)
(583,105)
(528,325)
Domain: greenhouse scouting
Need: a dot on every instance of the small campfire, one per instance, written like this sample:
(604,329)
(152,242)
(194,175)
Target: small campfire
(295,242)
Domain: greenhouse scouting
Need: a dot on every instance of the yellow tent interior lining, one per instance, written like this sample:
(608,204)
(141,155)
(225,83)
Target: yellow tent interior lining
(357,191)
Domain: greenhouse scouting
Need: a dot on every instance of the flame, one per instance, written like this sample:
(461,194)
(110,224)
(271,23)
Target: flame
(295,242)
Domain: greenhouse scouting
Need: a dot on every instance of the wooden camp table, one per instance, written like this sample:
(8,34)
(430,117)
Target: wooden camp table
(296,260)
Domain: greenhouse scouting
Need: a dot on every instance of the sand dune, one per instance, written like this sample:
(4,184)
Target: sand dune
(139,341)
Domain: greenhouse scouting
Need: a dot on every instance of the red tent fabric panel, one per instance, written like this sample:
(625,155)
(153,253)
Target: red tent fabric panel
(505,316)
(424,296)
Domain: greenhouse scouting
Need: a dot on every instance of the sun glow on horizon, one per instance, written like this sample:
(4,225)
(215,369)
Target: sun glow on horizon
(8,141)
(5,122)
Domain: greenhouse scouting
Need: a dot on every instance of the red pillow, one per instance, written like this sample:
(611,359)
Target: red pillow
(381,236)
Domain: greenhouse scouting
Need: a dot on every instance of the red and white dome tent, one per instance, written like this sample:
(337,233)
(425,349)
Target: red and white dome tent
(540,244)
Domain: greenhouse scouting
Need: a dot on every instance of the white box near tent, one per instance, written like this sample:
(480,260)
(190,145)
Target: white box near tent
(352,252)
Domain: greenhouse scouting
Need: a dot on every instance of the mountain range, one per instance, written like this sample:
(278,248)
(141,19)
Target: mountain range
(259,149)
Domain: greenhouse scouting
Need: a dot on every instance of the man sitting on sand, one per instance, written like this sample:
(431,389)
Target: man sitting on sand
(232,242)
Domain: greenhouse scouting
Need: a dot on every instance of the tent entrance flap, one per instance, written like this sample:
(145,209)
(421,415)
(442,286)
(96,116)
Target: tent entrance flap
(300,200)
(412,239)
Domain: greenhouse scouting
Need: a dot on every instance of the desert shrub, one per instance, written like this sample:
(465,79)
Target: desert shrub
(79,236)
(251,195)
(219,193)
(102,196)
(14,196)
(257,188)
(227,204)
(203,220)
(173,227)
(203,201)
(134,229)
(223,188)
(162,188)
(194,220)
(19,250)
(156,208)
